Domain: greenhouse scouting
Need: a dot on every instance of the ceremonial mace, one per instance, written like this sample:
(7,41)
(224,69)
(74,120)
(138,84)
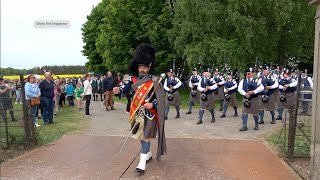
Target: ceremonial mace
(140,113)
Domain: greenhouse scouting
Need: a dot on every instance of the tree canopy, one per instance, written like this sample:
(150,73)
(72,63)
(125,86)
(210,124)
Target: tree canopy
(238,32)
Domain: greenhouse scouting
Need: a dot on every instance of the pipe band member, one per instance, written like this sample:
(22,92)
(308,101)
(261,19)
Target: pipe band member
(206,87)
(230,98)
(249,88)
(171,86)
(194,93)
(287,92)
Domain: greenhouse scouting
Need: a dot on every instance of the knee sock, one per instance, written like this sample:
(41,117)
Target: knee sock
(261,114)
(190,106)
(244,119)
(166,111)
(225,108)
(178,110)
(235,110)
(256,119)
(201,112)
(272,115)
(280,112)
(212,112)
(221,103)
(145,147)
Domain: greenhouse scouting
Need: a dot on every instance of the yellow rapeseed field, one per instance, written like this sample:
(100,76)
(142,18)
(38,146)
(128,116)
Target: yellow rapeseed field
(41,76)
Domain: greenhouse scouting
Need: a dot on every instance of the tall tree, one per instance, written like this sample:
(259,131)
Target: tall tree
(239,32)
(90,32)
(126,24)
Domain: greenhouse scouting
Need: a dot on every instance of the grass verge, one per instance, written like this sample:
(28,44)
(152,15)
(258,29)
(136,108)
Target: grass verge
(67,121)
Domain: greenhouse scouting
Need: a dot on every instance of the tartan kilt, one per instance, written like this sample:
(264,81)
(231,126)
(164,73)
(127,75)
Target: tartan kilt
(290,100)
(220,95)
(209,103)
(233,102)
(276,96)
(150,128)
(101,91)
(268,106)
(254,107)
(195,99)
(94,90)
(176,101)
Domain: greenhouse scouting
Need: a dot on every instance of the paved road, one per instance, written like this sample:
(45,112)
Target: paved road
(207,151)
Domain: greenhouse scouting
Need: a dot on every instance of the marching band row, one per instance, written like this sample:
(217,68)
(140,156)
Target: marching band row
(268,90)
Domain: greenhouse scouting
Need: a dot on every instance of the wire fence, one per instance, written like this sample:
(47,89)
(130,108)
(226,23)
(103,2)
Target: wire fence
(295,135)
(16,124)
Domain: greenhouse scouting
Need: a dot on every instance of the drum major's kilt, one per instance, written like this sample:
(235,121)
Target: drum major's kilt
(233,102)
(195,99)
(150,129)
(268,106)
(290,100)
(254,107)
(176,101)
(209,103)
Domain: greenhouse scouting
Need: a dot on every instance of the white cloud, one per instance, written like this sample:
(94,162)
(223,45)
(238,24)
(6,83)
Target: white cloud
(26,46)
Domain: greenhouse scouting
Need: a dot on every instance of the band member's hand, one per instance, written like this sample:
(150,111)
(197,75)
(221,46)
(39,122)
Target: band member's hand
(116,90)
(247,95)
(205,90)
(171,90)
(268,87)
(251,92)
(148,106)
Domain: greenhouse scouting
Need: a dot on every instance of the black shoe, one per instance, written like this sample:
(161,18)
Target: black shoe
(199,122)
(165,118)
(213,120)
(256,128)
(244,128)
(278,118)
(220,109)
(112,108)
(14,120)
(140,171)
(222,116)
(189,112)
(52,122)
(235,115)
(177,116)
(261,122)
(273,122)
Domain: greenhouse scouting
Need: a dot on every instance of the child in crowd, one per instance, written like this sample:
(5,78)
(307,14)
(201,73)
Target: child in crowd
(79,91)
(70,93)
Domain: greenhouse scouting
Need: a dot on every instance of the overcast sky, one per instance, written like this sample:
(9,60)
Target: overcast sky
(26,46)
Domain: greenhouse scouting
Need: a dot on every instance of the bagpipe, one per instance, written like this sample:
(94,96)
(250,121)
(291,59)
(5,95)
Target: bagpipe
(204,96)
(170,94)
(250,87)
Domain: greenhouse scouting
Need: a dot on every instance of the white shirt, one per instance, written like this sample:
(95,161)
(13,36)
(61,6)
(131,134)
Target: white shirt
(174,87)
(259,89)
(87,87)
(214,86)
